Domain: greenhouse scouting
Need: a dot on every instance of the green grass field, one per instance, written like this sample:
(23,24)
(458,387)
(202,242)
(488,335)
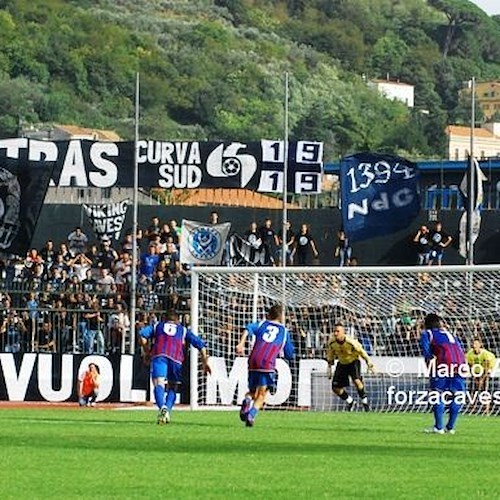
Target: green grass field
(98,453)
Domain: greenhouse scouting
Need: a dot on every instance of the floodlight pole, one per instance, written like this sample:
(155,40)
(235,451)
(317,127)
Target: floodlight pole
(285,195)
(135,224)
(471,194)
(285,178)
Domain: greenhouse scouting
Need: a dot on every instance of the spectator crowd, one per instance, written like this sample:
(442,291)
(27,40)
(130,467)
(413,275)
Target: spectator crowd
(74,295)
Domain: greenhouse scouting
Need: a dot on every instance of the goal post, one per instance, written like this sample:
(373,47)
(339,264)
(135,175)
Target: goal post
(382,307)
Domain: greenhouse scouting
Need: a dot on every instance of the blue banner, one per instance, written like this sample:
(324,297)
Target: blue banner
(379,194)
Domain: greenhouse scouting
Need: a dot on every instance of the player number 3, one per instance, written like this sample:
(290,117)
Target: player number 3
(270,334)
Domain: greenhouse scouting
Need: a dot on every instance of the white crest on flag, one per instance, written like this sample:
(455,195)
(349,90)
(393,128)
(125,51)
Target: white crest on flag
(203,243)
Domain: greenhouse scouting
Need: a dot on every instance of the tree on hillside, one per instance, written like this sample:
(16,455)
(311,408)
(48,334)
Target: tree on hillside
(460,14)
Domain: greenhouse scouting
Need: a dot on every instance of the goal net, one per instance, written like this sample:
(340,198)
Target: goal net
(382,308)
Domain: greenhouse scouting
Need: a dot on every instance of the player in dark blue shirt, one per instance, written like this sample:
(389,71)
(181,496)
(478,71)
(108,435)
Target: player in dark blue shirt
(271,337)
(165,344)
(443,351)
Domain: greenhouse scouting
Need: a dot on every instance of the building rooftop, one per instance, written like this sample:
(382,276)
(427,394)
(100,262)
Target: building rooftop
(465,131)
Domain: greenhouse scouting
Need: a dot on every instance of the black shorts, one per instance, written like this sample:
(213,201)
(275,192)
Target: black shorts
(343,372)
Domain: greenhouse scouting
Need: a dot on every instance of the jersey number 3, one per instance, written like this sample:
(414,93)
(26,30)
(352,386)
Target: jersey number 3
(270,334)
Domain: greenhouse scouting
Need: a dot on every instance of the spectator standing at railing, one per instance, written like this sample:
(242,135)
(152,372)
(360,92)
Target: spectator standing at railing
(123,270)
(32,258)
(93,255)
(176,232)
(165,233)
(269,240)
(13,331)
(36,277)
(107,256)
(172,259)
(214,217)
(422,241)
(63,327)
(304,245)
(48,253)
(343,250)
(89,284)
(439,241)
(77,241)
(252,235)
(106,282)
(118,326)
(81,264)
(44,340)
(66,254)
(149,261)
(289,243)
(150,299)
(160,283)
(93,332)
(154,228)
(59,264)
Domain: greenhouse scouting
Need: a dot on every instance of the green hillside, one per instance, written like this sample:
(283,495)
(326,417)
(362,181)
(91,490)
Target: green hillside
(214,69)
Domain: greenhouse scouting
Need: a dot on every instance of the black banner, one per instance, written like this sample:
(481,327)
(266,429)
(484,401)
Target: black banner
(24,179)
(243,253)
(107,219)
(258,166)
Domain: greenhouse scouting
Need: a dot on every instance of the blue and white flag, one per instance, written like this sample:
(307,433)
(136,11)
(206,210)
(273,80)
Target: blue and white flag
(379,194)
(477,193)
(203,243)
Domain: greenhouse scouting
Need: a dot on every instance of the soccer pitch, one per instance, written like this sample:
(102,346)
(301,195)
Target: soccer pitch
(103,453)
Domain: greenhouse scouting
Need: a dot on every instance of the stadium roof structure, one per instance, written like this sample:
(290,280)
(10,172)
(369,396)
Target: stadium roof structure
(226,197)
(431,165)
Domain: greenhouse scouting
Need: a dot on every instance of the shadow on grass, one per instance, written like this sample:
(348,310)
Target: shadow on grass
(183,443)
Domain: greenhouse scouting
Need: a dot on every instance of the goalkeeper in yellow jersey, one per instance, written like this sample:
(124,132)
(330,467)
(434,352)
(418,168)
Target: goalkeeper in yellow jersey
(348,351)
(481,363)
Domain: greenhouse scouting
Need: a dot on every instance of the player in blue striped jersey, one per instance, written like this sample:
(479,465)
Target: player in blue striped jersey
(165,343)
(271,337)
(444,353)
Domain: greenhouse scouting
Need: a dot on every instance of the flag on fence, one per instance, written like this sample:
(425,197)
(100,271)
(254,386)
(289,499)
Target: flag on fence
(23,186)
(203,243)
(477,193)
(245,253)
(379,194)
(107,219)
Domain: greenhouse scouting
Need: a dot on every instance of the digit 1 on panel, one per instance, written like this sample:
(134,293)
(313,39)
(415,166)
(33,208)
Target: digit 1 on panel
(271,181)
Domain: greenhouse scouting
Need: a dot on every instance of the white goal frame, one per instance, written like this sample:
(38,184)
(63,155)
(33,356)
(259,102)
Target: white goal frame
(340,272)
